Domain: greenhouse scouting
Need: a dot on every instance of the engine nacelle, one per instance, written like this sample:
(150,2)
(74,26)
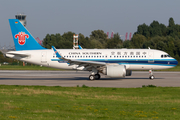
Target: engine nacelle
(128,72)
(115,71)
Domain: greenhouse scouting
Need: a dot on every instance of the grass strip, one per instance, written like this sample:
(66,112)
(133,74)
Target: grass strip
(87,103)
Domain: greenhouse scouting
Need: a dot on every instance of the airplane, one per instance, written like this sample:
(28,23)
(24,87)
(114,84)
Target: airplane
(115,63)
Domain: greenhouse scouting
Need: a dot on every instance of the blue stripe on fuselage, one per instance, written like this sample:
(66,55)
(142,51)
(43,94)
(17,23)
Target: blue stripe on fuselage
(164,62)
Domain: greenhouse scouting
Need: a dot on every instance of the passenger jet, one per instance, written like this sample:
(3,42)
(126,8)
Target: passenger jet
(115,63)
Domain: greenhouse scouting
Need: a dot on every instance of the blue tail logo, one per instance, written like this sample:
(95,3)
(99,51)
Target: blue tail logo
(23,40)
(21,37)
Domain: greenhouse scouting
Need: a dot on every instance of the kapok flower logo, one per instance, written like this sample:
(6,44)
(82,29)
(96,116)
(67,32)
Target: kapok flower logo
(21,37)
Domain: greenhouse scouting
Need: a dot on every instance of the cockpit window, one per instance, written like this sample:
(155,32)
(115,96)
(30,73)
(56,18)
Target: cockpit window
(164,56)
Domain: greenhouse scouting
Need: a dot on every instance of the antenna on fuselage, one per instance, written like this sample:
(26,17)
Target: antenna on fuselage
(149,48)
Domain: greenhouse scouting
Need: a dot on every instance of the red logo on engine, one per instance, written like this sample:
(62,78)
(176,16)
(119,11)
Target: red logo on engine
(21,37)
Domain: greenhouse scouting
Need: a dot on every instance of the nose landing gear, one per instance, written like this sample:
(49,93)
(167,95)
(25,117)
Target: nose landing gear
(151,76)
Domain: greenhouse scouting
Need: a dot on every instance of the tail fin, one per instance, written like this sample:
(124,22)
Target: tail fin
(23,40)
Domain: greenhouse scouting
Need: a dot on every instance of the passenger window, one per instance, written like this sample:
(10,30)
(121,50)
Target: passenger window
(161,56)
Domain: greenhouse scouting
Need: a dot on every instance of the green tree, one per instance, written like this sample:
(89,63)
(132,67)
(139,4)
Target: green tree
(84,42)
(114,42)
(127,44)
(156,29)
(143,30)
(171,22)
(46,41)
(138,40)
(98,34)
(95,44)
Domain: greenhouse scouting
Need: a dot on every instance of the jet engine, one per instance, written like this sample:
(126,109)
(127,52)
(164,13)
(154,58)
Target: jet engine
(115,71)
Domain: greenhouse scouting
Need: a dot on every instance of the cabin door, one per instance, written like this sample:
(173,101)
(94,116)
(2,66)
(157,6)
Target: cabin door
(151,56)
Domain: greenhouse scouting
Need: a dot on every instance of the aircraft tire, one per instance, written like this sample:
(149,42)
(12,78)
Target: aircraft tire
(151,77)
(97,76)
(91,77)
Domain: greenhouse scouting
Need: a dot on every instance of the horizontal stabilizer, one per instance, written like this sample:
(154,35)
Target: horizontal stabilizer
(17,54)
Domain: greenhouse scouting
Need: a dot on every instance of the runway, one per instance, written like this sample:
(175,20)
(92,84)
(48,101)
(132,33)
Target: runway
(73,78)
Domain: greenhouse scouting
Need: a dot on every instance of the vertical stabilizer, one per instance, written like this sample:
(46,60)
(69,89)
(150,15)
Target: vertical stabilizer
(23,40)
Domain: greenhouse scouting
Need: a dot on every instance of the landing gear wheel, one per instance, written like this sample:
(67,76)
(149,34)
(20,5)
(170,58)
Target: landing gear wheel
(97,76)
(151,77)
(91,77)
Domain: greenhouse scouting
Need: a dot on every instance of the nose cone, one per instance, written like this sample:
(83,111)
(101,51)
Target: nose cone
(174,62)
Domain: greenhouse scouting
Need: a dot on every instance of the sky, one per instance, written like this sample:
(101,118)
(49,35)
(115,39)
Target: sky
(84,16)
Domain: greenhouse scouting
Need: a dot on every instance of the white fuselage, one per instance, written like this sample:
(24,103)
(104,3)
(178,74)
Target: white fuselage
(133,59)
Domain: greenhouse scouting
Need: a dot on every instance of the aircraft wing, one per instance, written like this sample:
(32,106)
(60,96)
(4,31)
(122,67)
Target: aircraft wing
(86,64)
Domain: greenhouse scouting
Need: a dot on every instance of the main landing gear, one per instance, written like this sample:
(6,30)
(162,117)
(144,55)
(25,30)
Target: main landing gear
(94,76)
(151,76)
